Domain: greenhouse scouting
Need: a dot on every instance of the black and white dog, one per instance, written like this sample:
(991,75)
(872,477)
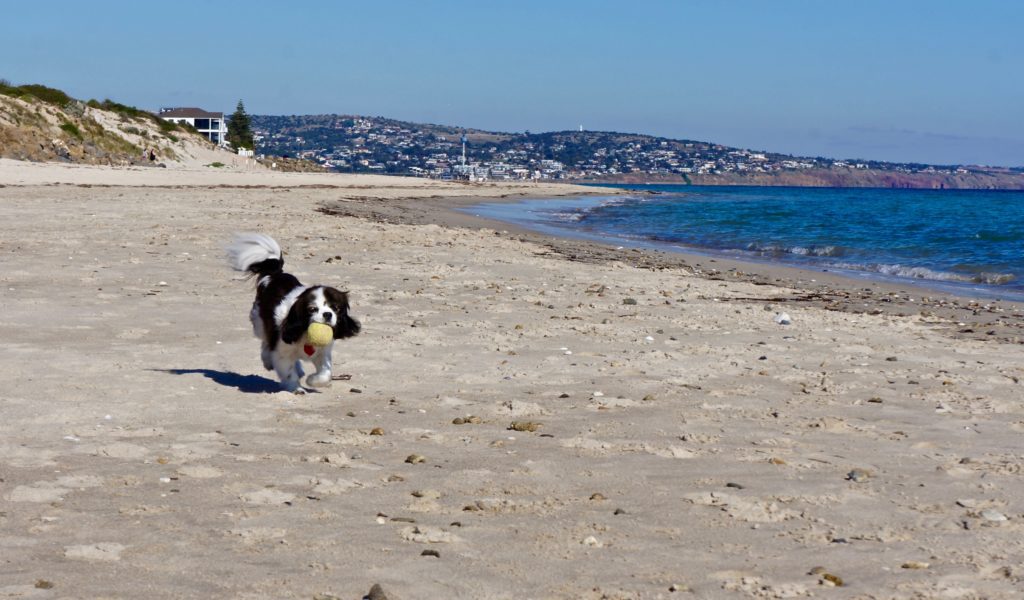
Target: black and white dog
(284,309)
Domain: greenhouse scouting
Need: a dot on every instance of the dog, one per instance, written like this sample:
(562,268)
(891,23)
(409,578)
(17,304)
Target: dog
(284,309)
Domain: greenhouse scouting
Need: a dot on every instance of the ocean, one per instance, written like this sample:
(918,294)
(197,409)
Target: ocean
(968,242)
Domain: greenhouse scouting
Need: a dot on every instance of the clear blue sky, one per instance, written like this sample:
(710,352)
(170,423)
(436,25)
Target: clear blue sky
(930,81)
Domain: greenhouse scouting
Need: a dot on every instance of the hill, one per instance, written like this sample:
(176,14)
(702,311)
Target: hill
(353,143)
(40,123)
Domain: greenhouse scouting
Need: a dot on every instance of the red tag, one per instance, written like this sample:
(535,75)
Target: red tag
(308,349)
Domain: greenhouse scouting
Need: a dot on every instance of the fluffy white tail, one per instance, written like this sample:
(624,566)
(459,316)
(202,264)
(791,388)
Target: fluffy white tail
(248,249)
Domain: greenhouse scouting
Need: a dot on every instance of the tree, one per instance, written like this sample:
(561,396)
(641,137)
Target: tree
(239,128)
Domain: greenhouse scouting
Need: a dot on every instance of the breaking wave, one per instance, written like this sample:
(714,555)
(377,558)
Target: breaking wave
(780,250)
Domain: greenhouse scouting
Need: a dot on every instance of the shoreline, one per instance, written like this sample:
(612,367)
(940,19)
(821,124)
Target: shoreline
(962,316)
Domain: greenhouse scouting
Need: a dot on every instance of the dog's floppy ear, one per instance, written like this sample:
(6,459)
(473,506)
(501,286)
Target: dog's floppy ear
(346,326)
(296,323)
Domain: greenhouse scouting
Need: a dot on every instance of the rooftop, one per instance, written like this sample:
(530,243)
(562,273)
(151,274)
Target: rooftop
(189,112)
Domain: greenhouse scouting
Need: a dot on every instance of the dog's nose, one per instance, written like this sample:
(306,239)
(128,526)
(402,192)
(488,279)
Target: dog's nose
(327,315)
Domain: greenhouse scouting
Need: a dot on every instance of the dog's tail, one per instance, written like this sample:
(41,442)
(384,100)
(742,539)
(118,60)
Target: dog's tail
(255,253)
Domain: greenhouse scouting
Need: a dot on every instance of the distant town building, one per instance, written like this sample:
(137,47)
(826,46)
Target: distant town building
(210,124)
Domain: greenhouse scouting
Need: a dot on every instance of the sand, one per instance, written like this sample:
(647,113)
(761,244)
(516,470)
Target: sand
(626,431)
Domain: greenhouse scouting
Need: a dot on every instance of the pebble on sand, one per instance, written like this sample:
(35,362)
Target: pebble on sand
(858,475)
(993,515)
(415,459)
(377,593)
(530,426)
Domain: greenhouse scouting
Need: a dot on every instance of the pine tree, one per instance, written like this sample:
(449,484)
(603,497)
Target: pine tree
(239,129)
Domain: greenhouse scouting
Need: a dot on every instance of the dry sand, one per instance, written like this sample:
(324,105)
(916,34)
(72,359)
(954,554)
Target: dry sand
(675,438)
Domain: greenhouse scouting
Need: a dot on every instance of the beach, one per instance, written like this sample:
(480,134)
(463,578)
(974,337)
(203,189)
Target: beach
(521,417)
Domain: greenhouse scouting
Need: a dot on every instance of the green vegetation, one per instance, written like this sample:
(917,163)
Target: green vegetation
(122,109)
(71,129)
(240,129)
(43,93)
(216,165)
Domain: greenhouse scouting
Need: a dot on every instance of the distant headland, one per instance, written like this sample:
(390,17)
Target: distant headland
(351,143)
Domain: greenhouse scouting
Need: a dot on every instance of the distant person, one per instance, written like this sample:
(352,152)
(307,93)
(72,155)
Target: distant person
(152,155)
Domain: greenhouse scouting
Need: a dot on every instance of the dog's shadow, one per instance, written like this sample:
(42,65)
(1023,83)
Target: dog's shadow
(249,384)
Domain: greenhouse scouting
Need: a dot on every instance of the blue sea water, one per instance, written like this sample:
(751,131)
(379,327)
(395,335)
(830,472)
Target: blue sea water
(965,241)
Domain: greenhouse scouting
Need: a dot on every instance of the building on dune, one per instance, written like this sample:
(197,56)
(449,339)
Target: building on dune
(210,124)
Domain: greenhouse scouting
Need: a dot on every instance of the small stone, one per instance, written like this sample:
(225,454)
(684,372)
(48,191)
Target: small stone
(858,475)
(376,593)
(776,461)
(629,301)
(419,323)
(832,579)
(597,496)
(376,431)
(967,503)
(350,414)
(993,515)
(458,421)
(431,552)
(890,359)
(355,390)
(915,564)
(162,461)
(530,426)
(817,571)
(619,511)
(592,541)
(875,400)
(648,398)
(737,486)
(415,459)
(563,395)
(395,478)
(43,584)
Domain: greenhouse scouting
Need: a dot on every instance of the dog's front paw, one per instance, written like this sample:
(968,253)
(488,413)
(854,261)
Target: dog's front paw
(320,380)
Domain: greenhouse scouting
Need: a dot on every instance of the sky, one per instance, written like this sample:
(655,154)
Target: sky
(935,81)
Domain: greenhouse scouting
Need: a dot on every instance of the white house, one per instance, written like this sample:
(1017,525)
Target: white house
(210,124)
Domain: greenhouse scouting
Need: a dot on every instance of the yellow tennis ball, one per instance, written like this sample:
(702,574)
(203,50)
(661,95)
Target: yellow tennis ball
(319,334)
